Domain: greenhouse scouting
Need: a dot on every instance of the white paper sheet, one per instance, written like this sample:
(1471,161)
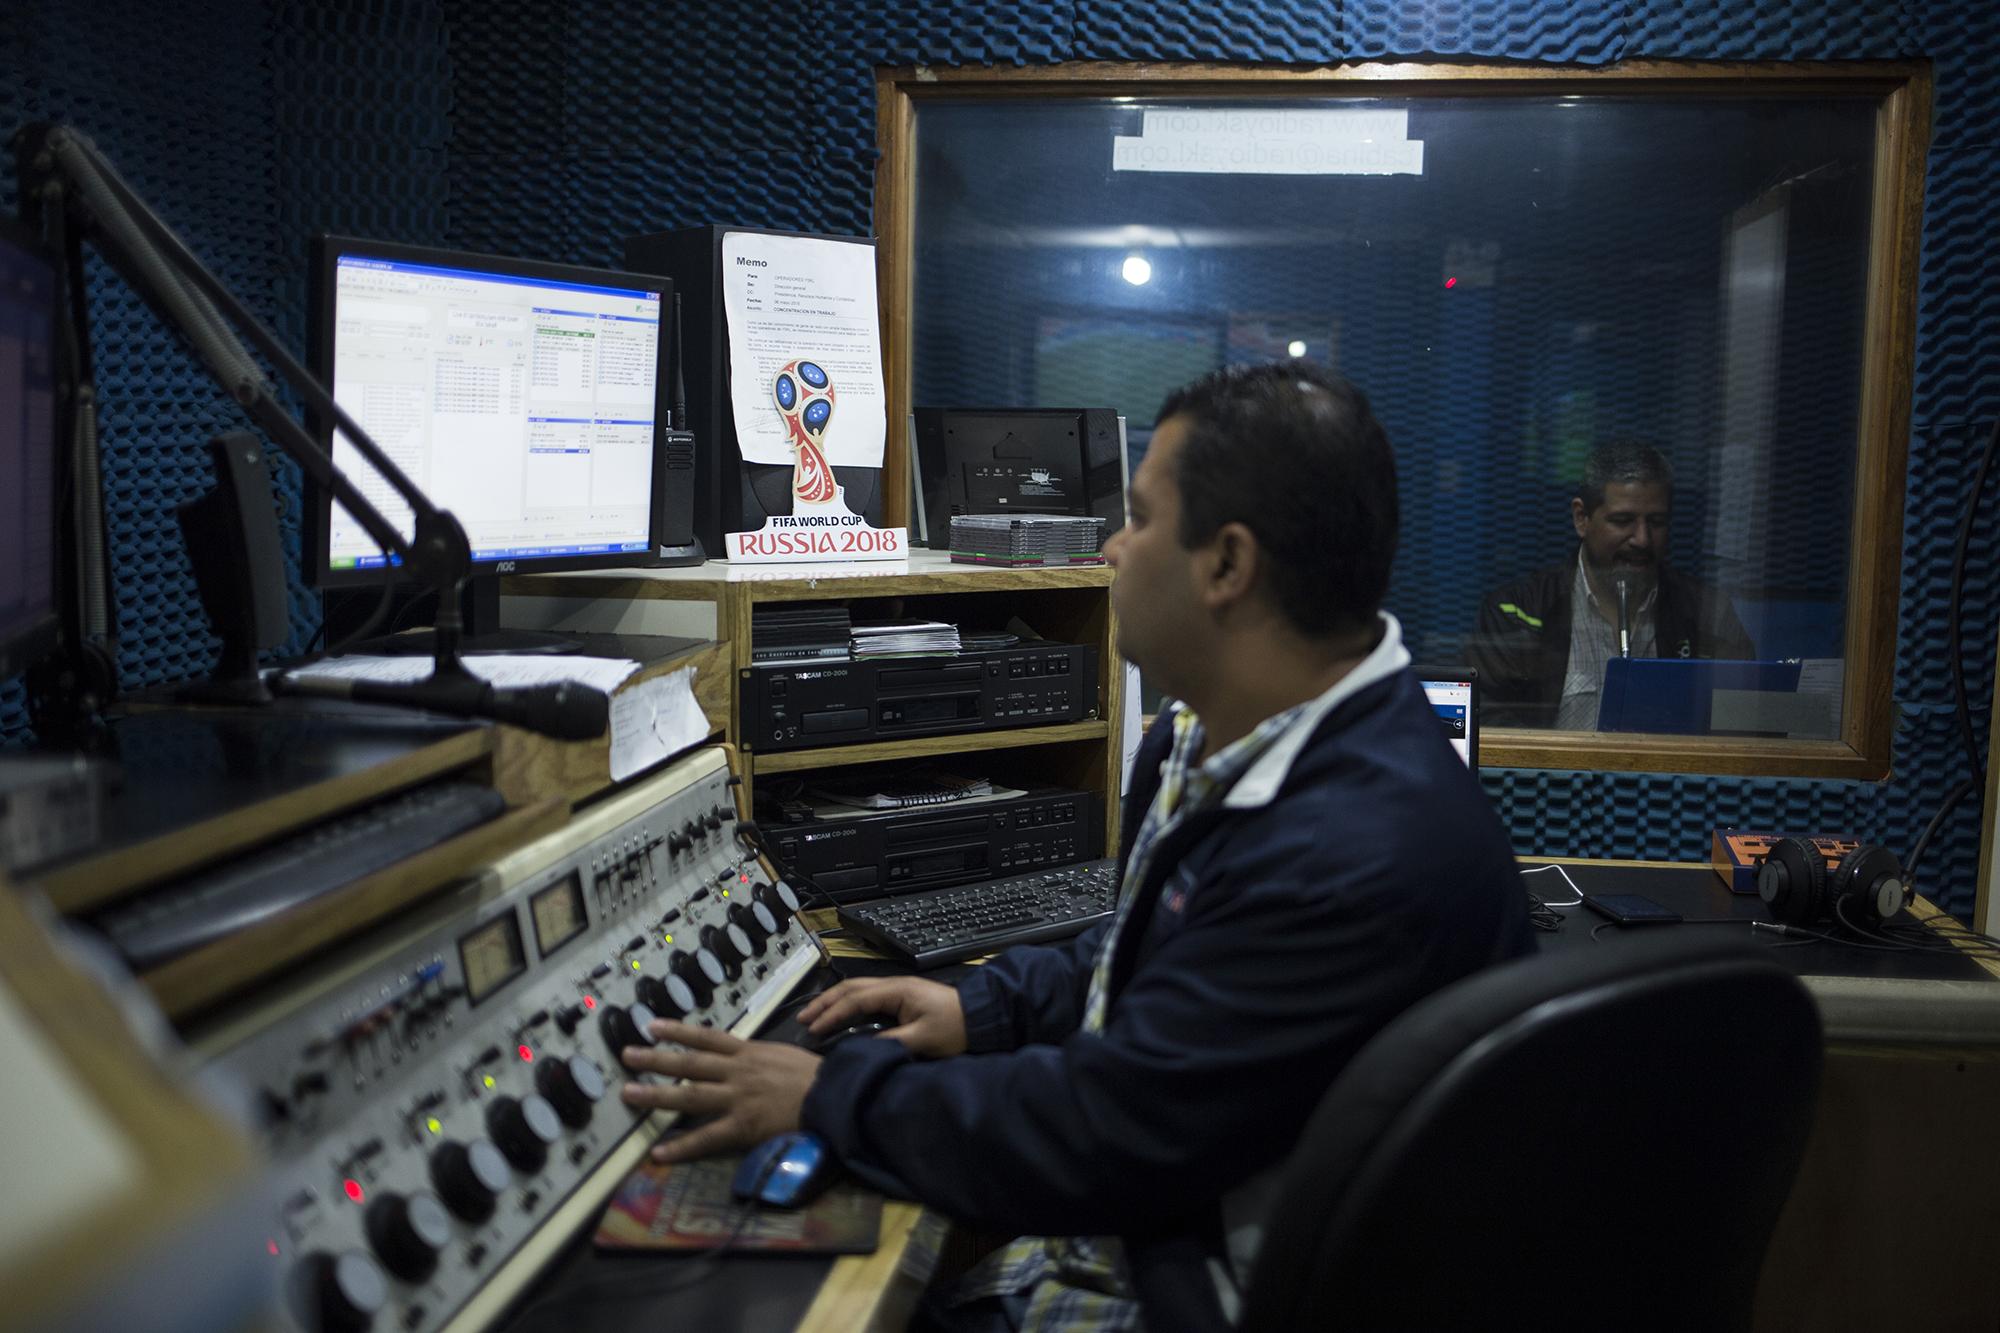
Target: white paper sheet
(654,720)
(788,297)
(62,1157)
(602,673)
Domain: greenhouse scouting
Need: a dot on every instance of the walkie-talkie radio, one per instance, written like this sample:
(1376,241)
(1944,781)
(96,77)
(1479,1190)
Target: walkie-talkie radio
(677,542)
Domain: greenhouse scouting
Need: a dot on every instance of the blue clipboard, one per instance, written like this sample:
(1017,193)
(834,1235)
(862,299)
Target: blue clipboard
(1675,695)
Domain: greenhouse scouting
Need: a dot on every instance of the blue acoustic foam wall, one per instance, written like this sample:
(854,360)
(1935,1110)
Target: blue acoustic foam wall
(198,149)
(246,126)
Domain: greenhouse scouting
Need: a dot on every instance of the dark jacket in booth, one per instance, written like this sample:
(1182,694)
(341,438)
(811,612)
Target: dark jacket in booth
(1269,943)
(1521,644)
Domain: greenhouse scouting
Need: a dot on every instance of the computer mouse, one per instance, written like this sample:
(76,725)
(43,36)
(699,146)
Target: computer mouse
(868,1025)
(788,1171)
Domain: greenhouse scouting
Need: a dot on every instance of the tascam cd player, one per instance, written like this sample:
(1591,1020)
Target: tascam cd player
(852,858)
(795,705)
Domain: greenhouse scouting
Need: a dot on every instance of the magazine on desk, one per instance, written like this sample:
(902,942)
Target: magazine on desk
(689,1206)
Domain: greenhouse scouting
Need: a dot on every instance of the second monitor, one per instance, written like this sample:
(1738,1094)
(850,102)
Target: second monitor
(526,398)
(1016,460)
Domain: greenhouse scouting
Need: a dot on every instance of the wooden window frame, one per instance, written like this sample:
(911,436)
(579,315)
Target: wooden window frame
(1902,124)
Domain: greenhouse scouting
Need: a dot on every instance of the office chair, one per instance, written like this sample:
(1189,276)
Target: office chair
(1588,1139)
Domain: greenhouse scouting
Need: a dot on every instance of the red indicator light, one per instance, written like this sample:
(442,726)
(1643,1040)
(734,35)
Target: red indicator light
(1451,282)
(590,1001)
(526,1054)
(271,1245)
(353,1188)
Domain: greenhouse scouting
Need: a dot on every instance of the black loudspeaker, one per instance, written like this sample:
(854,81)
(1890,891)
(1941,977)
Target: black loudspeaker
(1865,888)
(239,568)
(729,495)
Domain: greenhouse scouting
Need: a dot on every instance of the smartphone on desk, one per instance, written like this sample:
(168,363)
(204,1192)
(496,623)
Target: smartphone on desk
(1630,909)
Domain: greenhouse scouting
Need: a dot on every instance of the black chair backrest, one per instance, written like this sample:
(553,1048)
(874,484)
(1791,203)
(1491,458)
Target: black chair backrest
(1586,1139)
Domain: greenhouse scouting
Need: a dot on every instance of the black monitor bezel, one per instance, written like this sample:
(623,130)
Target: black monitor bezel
(938,483)
(327,251)
(38,636)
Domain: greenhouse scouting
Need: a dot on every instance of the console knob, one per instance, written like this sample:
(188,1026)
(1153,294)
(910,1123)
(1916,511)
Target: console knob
(700,979)
(667,997)
(755,923)
(524,1129)
(470,1176)
(729,946)
(408,1231)
(679,842)
(712,820)
(779,900)
(626,1027)
(344,1290)
(573,1087)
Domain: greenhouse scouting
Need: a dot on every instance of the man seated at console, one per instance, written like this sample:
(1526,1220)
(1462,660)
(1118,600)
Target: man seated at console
(1304,857)
(1542,640)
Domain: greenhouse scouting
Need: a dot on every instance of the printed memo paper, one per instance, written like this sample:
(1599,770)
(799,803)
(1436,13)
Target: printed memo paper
(788,297)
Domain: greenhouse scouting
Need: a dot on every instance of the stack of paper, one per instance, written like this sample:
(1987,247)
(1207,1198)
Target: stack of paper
(898,638)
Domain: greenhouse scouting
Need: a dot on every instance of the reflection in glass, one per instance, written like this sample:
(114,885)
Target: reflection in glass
(1539,278)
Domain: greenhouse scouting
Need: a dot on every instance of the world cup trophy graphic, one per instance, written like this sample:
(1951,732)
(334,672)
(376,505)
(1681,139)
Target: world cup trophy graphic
(805,400)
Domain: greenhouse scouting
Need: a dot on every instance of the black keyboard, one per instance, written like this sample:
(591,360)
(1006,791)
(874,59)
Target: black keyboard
(950,925)
(225,898)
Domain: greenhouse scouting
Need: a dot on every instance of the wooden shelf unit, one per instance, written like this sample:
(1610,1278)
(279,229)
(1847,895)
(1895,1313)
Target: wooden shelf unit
(1069,604)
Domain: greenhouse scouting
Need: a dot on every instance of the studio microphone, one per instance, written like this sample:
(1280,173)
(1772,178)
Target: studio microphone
(566,710)
(1622,578)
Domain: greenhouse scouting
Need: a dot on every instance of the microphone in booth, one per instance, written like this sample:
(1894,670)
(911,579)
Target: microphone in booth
(1622,578)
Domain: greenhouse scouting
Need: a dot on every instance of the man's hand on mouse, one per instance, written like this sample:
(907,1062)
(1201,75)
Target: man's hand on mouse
(930,1021)
(753,1089)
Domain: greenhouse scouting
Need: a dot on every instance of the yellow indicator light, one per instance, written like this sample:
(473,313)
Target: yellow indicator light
(635,965)
(433,1126)
(725,893)
(666,939)
(488,1081)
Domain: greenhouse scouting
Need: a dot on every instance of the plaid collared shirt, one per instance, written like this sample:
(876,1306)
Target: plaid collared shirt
(1593,641)
(1076,1283)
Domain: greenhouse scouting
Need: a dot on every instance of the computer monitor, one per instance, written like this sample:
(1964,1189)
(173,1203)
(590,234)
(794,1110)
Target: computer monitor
(1017,460)
(528,399)
(28,527)
(1454,695)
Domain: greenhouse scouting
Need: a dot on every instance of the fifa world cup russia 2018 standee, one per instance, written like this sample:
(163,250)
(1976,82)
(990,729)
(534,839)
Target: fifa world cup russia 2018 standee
(820,526)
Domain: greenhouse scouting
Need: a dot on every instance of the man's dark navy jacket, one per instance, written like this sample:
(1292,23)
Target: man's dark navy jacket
(1267,945)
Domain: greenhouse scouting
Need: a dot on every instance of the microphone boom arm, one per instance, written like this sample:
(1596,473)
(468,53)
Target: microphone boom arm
(63,171)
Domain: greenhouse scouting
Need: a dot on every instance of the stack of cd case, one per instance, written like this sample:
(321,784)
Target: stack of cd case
(1026,539)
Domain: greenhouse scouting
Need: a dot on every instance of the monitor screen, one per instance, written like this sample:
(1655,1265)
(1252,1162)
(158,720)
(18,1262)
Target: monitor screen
(525,398)
(1454,696)
(27,451)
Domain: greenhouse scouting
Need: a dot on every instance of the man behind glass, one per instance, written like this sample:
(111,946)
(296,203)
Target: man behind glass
(1542,641)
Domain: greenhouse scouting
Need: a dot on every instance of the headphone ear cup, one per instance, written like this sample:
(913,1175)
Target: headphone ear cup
(1793,881)
(1867,887)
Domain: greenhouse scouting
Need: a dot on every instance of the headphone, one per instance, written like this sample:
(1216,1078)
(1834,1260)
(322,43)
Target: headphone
(1865,888)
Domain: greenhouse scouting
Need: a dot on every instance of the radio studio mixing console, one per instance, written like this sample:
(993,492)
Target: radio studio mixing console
(444,1109)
